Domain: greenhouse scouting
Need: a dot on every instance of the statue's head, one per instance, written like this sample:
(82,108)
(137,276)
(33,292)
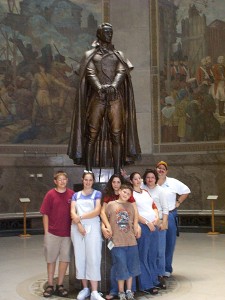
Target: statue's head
(105,33)
(220,59)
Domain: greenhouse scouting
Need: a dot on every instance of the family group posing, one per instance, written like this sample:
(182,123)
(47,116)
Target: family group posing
(138,218)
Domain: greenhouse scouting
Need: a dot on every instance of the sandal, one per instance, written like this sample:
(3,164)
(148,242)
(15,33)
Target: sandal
(49,291)
(61,291)
(153,291)
(162,283)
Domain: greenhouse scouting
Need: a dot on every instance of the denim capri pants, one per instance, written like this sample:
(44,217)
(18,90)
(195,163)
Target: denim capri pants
(125,261)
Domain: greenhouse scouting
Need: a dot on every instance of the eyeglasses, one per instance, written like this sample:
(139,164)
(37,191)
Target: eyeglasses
(88,172)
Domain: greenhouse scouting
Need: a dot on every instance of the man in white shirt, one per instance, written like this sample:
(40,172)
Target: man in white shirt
(173,188)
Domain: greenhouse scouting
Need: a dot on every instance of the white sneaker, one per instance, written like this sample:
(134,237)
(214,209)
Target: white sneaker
(96,296)
(129,295)
(83,294)
(122,296)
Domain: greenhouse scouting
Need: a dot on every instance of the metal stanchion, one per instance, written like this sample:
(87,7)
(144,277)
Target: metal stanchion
(212,198)
(24,202)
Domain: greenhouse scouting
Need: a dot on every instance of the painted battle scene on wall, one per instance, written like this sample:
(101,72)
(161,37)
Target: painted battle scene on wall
(41,44)
(192,70)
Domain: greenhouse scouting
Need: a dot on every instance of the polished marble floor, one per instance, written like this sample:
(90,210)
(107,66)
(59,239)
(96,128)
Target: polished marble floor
(199,268)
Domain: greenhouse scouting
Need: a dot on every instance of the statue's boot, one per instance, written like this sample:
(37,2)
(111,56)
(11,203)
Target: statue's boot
(117,153)
(89,156)
(221,108)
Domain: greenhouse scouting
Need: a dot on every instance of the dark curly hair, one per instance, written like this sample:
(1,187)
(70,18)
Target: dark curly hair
(109,189)
(153,171)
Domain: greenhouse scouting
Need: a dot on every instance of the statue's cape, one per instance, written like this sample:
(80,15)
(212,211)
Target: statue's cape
(103,157)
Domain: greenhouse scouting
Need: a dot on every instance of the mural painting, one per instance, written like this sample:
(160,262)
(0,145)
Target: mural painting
(192,70)
(42,42)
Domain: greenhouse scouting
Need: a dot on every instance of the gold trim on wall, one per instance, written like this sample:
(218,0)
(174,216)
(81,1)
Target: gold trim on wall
(106,11)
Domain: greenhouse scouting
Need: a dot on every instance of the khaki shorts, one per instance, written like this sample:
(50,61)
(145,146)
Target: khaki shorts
(56,247)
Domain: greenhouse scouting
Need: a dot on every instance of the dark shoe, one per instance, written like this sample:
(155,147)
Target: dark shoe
(61,291)
(152,291)
(49,291)
(162,283)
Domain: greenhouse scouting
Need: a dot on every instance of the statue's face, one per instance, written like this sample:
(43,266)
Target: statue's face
(106,34)
(220,59)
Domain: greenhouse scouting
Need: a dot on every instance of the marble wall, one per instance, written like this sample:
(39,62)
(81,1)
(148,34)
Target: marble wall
(19,177)
(130,20)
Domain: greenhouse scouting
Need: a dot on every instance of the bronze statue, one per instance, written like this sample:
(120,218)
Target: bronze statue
(104,129)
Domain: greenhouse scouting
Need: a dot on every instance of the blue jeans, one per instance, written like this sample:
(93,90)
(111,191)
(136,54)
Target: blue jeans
(161,260)
(148,249)
(125,263)
(171,236)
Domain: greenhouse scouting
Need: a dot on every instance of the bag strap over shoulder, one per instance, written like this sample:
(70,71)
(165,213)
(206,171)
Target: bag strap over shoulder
(78,195)
(93,195)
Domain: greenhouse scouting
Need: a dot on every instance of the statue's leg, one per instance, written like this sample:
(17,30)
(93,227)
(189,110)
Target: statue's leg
(221,108)
(116,117)
(117,153)
(94,121)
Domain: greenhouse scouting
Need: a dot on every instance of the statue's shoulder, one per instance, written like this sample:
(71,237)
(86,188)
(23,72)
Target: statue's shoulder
(84,61)
(124,60)
(120,53)
(89,53)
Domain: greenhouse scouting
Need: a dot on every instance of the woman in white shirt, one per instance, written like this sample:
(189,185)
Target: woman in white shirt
(148,242)
(158,194)
(86,236)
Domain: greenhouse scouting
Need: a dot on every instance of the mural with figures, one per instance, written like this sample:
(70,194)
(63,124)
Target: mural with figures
(192,70)
(41,43)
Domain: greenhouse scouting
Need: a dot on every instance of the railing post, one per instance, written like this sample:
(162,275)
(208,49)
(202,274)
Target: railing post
(212,198)
(24,202)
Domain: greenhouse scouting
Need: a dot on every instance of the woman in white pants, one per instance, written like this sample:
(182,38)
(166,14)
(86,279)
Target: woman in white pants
(86,236)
